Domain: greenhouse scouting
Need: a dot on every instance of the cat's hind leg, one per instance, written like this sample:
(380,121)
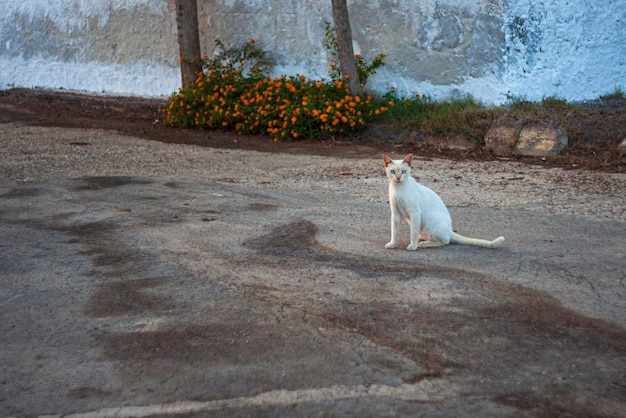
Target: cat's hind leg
(436,237)
(431,244)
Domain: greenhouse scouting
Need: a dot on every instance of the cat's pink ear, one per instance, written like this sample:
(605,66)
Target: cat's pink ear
(408,159)
(386,160)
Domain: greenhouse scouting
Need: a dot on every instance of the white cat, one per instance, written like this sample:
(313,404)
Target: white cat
(431,225)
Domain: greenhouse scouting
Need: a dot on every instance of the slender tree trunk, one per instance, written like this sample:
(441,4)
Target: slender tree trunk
(347,63)
(188,39)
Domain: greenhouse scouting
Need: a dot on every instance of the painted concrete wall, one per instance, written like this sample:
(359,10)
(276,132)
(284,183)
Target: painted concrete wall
(100,46)
(491,49)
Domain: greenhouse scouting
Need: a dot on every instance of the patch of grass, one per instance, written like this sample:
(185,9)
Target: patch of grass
(516,101)
(451,117)
(520,104)
(455,117)
(554,103)
(617,95)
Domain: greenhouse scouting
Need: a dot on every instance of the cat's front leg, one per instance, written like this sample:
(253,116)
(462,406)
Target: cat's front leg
(395,225)
(415,223)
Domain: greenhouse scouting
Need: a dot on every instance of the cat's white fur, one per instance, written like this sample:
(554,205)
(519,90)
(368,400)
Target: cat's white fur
(423,209)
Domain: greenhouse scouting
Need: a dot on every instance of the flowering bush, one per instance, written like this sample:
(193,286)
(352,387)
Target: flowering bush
(237,96)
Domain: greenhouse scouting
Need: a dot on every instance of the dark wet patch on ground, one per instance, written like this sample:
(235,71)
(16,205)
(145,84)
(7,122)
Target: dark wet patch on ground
(263,207)
(21,193)
(172,184)
(87,392)
(567,401)
(232,358)
(297,239)
(128,298)
(215,342)
(105,182)
(290,242)
(96,238)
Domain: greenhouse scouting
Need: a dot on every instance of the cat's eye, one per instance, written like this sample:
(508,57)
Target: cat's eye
(403,171)
(393,171)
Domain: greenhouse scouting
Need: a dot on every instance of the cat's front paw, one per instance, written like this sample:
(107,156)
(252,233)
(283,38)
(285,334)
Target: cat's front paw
(412,247)
(391,245)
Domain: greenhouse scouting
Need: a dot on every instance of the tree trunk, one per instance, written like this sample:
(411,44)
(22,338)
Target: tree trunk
(347,63)
(188,39)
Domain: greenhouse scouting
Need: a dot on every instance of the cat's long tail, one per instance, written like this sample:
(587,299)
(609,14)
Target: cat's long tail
(460,239)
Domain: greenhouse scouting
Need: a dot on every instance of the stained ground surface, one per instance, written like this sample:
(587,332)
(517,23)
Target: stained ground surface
(237,288)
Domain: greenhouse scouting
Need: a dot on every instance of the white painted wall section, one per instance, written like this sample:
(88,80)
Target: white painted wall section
(493,50)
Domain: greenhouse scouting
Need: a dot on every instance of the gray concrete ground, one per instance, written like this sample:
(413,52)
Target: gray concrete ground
(145,279)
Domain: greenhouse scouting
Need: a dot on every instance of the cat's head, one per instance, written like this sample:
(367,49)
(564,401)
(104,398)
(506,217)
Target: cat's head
(398,170)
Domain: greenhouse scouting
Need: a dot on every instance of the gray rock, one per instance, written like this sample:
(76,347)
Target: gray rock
(516,135)
(540,138)
(502,136)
